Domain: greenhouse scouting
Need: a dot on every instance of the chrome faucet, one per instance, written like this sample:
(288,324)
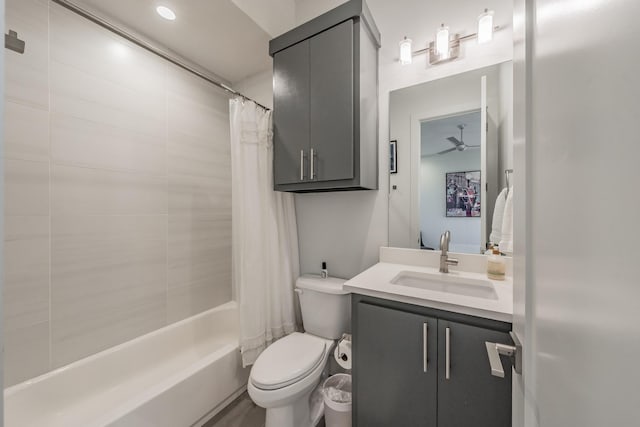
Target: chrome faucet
(445,261)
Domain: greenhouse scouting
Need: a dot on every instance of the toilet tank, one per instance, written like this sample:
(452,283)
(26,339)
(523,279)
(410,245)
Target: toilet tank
(325,306)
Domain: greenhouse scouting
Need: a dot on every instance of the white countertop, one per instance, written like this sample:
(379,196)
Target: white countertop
(376,282)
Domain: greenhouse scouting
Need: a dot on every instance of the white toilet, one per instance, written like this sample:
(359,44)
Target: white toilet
(285,374)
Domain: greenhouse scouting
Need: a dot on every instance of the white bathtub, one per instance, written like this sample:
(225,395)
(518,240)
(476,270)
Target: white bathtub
(180,375)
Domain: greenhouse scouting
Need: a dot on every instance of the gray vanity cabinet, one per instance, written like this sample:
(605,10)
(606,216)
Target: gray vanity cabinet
(325,103)
(470,395)
(396,368)
(409,374)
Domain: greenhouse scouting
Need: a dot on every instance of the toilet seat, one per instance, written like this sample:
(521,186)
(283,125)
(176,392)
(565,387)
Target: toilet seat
(287,361)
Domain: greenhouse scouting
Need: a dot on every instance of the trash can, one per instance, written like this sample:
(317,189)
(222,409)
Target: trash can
(337,400)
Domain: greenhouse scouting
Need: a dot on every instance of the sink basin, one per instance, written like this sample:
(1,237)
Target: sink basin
(448,283)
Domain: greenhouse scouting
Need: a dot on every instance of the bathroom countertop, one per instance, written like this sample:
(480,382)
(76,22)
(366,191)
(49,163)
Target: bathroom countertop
(377,282)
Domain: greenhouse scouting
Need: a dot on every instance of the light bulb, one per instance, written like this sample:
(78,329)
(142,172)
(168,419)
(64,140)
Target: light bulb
(166,13)
(406,54)
(485,27)
(442,42)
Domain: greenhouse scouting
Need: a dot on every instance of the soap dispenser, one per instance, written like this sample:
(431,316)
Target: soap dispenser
(496,265)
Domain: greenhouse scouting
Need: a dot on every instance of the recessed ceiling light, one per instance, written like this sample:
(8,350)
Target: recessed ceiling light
(166,13)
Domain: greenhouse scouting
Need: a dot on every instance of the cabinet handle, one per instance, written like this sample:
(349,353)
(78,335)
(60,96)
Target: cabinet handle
(301,165)
(312,158)
(425,357)
(447,366)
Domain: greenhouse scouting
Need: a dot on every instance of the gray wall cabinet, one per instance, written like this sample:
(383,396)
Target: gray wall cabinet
(400,372)
(325,118)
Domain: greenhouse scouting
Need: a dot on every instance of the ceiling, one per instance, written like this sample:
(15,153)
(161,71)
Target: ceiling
(434,133)
(229,38)
(214,34)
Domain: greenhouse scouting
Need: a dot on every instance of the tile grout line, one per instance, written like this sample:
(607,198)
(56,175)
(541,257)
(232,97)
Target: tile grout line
(50,367)
(166,142)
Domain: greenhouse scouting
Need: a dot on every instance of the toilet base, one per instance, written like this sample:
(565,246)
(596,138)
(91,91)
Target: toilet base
(298,414)
(293,415)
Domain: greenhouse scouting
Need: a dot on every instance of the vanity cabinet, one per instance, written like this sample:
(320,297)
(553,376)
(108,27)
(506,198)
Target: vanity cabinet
(416,366)
(396,370)
(325,103)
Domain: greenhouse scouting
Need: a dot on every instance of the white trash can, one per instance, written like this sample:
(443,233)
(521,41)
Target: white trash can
(337,400)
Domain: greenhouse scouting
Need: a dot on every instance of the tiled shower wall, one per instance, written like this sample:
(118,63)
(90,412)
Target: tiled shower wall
(118,192)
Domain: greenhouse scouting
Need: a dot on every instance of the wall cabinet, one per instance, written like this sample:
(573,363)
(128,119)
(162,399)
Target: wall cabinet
(325,103)
(415,366)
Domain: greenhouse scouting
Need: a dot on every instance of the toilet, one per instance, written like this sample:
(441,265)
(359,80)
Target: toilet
(286,373)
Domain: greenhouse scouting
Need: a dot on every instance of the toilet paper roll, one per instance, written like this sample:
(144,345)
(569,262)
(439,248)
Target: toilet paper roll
(342,354)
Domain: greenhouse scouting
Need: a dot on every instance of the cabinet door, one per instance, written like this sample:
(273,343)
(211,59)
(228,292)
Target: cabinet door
(332,102)
(471,396)
(393,386)
(291,114)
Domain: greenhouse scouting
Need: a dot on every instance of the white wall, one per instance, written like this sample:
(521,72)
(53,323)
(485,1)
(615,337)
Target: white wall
(273,16)
(347,229)
(465,232)
(306,10)
(118,196)
(259,87)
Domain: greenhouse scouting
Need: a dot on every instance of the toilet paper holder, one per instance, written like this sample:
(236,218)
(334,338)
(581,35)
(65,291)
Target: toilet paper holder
(345,337)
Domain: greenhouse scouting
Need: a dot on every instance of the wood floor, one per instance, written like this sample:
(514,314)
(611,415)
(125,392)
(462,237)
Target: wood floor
(242,412)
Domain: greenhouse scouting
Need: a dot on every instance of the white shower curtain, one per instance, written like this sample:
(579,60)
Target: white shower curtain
(265,240)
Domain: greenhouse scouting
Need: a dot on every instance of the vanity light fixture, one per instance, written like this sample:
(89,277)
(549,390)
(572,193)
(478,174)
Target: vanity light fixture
(446,46)
(166,13)
(406,54)
(485,26)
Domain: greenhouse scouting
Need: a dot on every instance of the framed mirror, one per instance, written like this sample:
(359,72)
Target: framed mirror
(452,143)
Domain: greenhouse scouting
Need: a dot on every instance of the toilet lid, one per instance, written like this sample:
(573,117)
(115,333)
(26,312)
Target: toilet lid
(287,360)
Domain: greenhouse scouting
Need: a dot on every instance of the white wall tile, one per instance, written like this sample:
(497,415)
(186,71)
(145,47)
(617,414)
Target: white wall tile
(82,45)
(197,119)
(26,352)
(81,142)
(87,96)
(26,75)
(103,140)
(78,190)
(26,134)
(108,281)
(26,297)
(26,270)
(194,155)
(196,297)
(199,262)
(199,195)
(185,85)
(26,188)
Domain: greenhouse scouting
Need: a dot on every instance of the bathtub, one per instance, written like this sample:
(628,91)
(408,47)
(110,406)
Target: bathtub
(180,375)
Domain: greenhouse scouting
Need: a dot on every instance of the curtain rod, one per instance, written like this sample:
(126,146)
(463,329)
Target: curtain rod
(151,48)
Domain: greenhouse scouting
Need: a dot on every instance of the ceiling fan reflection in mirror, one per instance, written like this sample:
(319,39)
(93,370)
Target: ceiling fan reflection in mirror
(459,144)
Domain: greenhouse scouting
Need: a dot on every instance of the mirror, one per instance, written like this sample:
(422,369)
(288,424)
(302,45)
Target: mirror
(452,143)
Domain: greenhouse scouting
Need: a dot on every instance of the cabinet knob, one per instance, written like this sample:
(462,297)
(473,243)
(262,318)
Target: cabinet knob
(301,165)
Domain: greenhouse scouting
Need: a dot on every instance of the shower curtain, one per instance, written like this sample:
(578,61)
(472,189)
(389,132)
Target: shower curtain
(265,240)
